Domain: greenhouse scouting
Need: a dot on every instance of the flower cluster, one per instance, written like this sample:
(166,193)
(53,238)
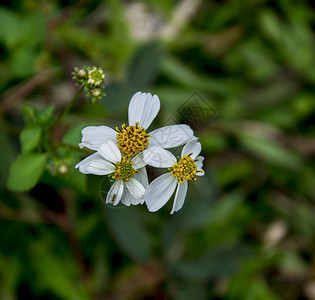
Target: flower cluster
(124,153)
(92,79)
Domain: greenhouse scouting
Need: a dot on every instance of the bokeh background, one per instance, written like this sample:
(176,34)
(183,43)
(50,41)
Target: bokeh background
(242,73)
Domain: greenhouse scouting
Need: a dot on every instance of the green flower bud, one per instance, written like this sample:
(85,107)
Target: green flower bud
(96,77)
(92,80)
(81,74)
(96,92)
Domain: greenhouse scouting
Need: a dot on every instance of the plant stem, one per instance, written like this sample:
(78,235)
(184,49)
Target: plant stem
(68,107)
(71,147)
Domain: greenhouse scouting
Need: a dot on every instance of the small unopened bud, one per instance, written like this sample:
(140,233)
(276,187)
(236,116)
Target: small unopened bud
(96,77)
(63,169)
(92,80)
(96,93)
(81,74)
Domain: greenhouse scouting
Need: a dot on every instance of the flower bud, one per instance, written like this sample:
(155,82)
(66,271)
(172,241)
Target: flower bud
(96,92)
(81,74)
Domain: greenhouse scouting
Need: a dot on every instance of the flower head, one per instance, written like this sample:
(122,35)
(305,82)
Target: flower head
(180,172)
(96,93)
(134,139)
(129,174)
(92,79)
(95,77)
(124,169)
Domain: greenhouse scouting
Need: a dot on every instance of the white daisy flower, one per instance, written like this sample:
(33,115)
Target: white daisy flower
(129,174)
(186,168)
(134,139)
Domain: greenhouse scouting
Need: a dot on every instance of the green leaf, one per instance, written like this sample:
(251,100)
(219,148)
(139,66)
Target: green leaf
(23,61)
(17,30)
(29,113)
(130,231)
(30,138)
(25,171)
(145,65)
(58,276)
(141,72)
(271,151)
(9,27)
(271,25)
(43,116)
(32,115)
(179,72)
(219,261)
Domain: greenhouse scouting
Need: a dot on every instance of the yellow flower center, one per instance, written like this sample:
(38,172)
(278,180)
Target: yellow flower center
(124,169)
(95,77)
(132,139)
(185,169)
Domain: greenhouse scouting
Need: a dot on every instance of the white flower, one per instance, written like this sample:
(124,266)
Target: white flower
(162,188)
(130,175)
(134,139)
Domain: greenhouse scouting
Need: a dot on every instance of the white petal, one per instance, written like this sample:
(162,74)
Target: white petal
(199,162)
(94,136)
(180,196)
(142,177)
(135,188)
(100,167)
(136,201)
(95,164)
(159,191)
(128,199)
(159,157)
(200,172)
(143,108)
(115,192)
(85,162)
(193,146)
(138,162)
(171,136)
(110,151)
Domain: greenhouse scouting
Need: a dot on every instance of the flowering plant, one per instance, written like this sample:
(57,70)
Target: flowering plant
(123,154)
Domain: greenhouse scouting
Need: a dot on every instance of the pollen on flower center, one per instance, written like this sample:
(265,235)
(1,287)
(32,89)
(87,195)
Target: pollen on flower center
(124,169)
(132,139)
(184,169)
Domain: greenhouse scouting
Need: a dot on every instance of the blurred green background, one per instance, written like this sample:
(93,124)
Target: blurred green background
(247,228)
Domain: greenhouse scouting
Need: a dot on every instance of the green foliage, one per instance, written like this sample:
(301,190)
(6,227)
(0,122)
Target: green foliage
(136,240)
(36,116)
(58,279)
(246,230)
(218,262)
(21,36)
(25,171)
(30,138)
(6,157)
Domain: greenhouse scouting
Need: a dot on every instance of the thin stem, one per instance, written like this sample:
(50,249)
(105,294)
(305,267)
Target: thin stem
(42,216)
(69,146)
(16,94)
(68,107)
